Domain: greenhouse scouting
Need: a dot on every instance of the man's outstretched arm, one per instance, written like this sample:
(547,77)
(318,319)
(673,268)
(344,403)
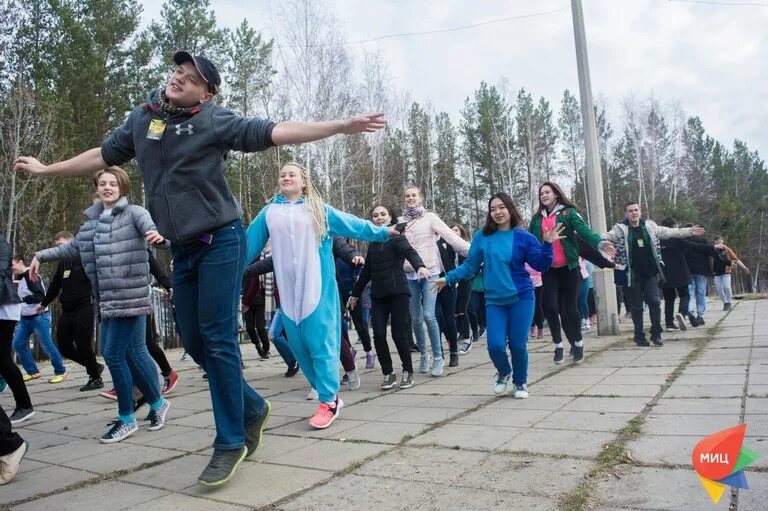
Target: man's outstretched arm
(81,165)
(292,132)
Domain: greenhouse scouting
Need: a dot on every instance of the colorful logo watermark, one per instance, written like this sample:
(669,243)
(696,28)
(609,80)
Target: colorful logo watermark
(720,459)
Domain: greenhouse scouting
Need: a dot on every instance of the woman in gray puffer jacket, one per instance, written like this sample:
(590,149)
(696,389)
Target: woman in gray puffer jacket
(112,244)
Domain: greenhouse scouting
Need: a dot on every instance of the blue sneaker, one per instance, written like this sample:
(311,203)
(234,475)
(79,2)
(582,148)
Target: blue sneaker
(424,364)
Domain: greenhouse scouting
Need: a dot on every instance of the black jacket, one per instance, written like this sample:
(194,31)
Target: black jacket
(675,253)
(8,292)
(157,271)
(698,262)
(384,268)
(72,282)
(447,255)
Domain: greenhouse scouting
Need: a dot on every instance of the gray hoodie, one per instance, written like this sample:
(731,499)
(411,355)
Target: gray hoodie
(114,253)
(184,172)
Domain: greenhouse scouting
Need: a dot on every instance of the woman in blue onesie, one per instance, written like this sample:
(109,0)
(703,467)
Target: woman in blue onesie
(301,228)
(502,247)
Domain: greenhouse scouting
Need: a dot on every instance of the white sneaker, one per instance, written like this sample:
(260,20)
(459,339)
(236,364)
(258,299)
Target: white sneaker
(681,324)
(500,386)
(466,348)
(312,395)
(354,380)
(521,391)
(9,464)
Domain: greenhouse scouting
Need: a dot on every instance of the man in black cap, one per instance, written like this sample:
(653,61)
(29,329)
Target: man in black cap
(180,138)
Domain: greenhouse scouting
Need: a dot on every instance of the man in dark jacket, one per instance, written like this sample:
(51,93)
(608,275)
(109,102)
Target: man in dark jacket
(74,330)
(181,138)
(254,313)
(698,264)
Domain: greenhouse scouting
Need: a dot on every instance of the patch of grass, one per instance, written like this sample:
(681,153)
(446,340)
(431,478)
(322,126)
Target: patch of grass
(576,500)
(752,296)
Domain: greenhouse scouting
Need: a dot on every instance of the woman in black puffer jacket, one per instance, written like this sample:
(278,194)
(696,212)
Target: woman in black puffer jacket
(390,295)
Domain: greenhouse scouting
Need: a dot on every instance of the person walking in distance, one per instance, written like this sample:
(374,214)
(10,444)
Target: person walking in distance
(721,269)
(253,305)
(503,247)
(463,294)
(180,138)
(637,243)
(698,264)
(423,228)
(10,315)
(562,282)
(390,296)
(32,293)
(74,330)
(112,245)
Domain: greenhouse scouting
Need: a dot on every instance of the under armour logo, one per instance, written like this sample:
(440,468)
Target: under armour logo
(188,129)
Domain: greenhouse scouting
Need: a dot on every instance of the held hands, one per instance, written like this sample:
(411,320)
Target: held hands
(154,237)
(39,309)
(697,231)
(34,269)
(394,232)
(423,273)
(720,246)
(29,165)
(438,285)
(358,260)
(363,124)
(352,303)
(608,248)
(552,235)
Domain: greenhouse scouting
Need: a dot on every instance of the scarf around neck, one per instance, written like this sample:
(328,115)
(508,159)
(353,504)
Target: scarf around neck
(414,213)
(167,107)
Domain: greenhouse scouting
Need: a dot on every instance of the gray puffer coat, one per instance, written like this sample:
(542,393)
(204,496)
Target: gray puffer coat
(114,253)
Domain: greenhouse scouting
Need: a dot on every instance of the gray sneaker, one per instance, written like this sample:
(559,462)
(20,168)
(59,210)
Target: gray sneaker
(390,381)
(437,367)
(157,417)
(222,466)
(118,431)
(254,432)
(407,381)
(20,415)
(424,364)
(354,380)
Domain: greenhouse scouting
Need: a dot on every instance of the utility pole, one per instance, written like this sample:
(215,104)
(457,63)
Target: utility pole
(605,291)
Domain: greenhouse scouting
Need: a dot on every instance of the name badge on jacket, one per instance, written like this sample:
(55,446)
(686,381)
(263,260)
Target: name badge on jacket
(156,129)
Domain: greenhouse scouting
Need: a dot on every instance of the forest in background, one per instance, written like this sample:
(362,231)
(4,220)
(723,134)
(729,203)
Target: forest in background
(71,70)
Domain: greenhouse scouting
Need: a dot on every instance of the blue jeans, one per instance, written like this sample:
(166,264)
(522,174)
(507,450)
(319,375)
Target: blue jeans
(584,300)
(41,326)
(697,289)
(423,299)
(508,325)
(279,340)
(124,348)
(206,288)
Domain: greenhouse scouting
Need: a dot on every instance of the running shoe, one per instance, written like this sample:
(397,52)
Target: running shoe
(109,394)
(119,431)
(540,333)
(680,319)
(500,385)
(93,384)
(312,395)
(326,413)
(254,431)
(370,360)
(558,356)
(157,417)
(30,377)
(424,364)
(642,342)
(406,382)
(58,378)
(293,369)
(578,354)
(437,367)
(532,332)
(671,327)
(521,391)
(9,464)
(656,340)
(466,348)
(353,381)
(170,383)
(390,381)
(222,466)
(20,415)
(453,360)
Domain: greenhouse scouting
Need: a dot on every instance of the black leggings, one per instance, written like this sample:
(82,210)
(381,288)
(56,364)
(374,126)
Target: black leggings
(157,354)
(9,441)
(9,371)
(357,319)
(561,294)
(669,302)
(397,308)
(538,310)
(444,310)
(462,307)
(255,324)
(74,337)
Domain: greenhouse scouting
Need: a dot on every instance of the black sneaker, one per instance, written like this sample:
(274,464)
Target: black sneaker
(671,327)
(454,360)
(292,370)
(20,415)
(558,356)
(119,431)
(344,379)
(571,351)
(578,354)
(222,466)
(205,376)
(93,384)
(414,348)
(700,320)
(642,342)
(726,307)
(656,340)
(260,351)
(156,418)
(254,432)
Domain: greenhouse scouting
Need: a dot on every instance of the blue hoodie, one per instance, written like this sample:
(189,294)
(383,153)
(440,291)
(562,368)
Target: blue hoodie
(503,255)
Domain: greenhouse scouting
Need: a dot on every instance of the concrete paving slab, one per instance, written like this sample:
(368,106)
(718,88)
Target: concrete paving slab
(458,498)
(585,421)
(422,415)
(118,495)
(755,405)
(45,480)
(381,432)
(708,379)
(173,475)
(700,406)
(513,418)
(532,403)
(468,436)
(607,404)
(130,456)
(302,429)
(329,454)
(634,390)
(687,425)
(560,442)
(704,391)
(666,449)
(186,503)
(437,466)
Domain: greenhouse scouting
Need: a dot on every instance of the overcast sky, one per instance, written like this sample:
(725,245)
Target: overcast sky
(712,59)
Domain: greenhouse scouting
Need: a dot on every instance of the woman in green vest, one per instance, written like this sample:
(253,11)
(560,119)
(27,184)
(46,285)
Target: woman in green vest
(562,282)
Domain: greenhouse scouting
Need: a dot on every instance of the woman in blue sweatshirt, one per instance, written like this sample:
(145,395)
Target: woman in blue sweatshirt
(502,247)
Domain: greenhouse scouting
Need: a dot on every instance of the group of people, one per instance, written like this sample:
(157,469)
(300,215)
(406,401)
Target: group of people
(419,271)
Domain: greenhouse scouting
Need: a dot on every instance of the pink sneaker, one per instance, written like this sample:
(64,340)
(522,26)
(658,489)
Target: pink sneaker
(533,331)
(109,394)
(540,333)
(170,383)
(326,414)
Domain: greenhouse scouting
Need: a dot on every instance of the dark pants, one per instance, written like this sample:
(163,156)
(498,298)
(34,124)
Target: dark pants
(361,326)
(561,302)
(9,441)
(669,302)
(538,308)
(622,297)
(462,308)
(155,351)
(398,309)
(444,311)
(74,337)
(347,356)
(646,289)
(206,282)
(476,311)
(255,324)
(9,371)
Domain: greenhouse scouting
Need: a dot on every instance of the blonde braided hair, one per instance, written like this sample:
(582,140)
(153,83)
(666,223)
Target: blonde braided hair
(313,201)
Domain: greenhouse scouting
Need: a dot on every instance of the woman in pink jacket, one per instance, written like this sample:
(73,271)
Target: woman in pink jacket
(423,228)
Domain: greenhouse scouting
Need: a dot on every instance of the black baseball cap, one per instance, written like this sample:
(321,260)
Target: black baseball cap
(205,67)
